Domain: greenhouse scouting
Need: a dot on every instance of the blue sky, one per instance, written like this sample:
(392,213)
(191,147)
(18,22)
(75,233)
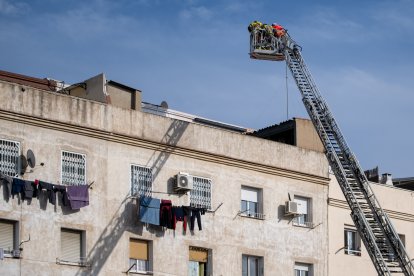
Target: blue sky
(194,55)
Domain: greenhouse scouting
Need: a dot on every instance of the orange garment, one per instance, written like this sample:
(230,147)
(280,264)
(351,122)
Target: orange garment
(278,30)
(277,27)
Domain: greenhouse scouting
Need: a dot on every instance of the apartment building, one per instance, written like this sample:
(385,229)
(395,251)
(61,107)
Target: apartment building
(346,254)
(98,134)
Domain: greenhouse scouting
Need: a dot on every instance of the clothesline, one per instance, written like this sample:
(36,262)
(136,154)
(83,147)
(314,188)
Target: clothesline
(167,193)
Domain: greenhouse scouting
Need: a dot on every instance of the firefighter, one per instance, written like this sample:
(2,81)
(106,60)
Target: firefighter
(254,25)
(278,30)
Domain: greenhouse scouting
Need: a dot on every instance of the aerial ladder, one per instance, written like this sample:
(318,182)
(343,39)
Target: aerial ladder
(375,228)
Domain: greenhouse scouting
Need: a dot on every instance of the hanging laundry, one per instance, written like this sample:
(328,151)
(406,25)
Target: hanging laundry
(166,216)
(7,181)
(179,215)
(35,185)
(149,210)
(196,214)
(28,190)
(78,196)
(51,194)
(62,190)
(17,186)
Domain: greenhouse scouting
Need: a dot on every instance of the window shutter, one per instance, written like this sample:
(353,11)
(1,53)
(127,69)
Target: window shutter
(249,194)
(198,255)
(6,235)
(70,245)
(301,267)
(138,249)
(302,205)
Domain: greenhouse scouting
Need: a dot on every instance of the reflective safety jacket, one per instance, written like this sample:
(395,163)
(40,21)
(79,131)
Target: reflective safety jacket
(255,25)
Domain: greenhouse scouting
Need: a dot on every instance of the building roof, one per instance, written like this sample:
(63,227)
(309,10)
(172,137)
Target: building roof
(404,183)
(44,84)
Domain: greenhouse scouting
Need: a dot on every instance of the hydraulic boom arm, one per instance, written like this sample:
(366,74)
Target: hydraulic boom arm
(377,233)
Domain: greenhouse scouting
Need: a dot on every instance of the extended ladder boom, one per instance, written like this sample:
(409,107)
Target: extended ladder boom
(379,236)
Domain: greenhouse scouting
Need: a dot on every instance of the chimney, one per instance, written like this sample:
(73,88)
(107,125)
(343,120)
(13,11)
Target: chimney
(386,179)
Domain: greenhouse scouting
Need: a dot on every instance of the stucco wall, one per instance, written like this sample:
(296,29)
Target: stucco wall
(112,139)
(397,203)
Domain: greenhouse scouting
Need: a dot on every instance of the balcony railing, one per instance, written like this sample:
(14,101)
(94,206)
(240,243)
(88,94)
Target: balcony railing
(251,214)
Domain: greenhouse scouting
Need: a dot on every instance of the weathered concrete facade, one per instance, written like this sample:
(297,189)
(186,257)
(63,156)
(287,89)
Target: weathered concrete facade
(397,203)
(112,139)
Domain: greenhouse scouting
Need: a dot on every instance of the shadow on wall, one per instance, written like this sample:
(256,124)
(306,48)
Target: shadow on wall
(169,140)
(281,214)
(125,217)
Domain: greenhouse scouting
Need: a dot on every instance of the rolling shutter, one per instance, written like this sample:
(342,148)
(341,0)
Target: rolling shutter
(71,241)
(249,194)
(138,249)
(6,235)
(198,254)
(302,205)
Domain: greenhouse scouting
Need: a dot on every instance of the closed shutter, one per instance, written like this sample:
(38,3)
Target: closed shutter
(301,267)
(71,241)
(249,194)
(6,235)
(198,254)
(302,205)
(138,249)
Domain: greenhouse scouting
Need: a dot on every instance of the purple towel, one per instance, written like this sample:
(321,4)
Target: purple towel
(78,196)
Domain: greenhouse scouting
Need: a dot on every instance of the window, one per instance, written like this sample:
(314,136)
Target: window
(139,256)
(141,181)
(199,263)
(200,195)
(352,242)
(73,168)
(252,266)
(9,157)
(9,236)
(302,269)
(251,202)
(72,246)
(304,218)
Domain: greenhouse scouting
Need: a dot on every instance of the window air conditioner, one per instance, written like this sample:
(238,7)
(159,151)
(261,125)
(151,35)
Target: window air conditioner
(291,208)
(184,182)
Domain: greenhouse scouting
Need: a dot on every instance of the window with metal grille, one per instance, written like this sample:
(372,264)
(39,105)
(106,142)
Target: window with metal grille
(9,236)
(9,157)
(141,181)
(72,246)
(200,195)
(73,168)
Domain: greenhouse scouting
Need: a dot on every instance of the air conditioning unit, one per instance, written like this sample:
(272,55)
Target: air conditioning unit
(184,182)
(291,208)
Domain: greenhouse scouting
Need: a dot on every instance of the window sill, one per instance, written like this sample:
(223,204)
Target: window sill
(10,256)
(353,253)
(257,216)
(303,225)
(78,264)
(141,272)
